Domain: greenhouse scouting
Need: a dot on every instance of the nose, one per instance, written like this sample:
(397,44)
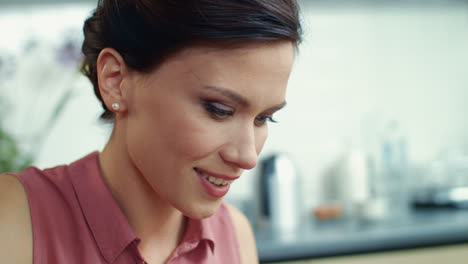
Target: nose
(242,148)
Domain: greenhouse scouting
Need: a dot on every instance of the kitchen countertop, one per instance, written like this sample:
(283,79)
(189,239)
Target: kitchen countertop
(418,228)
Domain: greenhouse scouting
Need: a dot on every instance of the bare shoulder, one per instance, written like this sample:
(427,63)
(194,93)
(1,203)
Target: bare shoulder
(245,236)
(15,222)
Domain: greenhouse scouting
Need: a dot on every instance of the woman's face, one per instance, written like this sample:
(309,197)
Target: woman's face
(200,119)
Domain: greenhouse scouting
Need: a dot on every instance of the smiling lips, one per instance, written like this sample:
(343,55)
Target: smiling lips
(215,185)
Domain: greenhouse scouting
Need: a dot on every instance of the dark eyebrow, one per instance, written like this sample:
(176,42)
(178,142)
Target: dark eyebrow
(230,94)
(275,108)
(242,100)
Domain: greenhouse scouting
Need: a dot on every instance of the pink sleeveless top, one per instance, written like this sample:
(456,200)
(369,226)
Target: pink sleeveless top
(75,219)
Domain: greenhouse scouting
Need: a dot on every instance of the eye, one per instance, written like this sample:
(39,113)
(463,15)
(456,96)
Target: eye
(261,120)
(217,110)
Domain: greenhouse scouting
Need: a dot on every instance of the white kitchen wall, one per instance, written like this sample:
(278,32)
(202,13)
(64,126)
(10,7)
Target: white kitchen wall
(37,73)
(360,66)
(363,65)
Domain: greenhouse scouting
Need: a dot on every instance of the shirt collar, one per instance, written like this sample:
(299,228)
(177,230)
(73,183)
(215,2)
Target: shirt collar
(105,219)
(108,224)
(200,230)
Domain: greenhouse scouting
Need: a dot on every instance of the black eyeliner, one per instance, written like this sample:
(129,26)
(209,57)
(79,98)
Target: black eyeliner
(215,111)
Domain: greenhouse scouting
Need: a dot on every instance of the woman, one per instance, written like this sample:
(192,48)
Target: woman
(189,86)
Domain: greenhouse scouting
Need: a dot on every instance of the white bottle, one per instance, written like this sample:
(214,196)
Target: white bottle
(281,199)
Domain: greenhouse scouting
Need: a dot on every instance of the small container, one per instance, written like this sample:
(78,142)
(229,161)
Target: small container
(280,192)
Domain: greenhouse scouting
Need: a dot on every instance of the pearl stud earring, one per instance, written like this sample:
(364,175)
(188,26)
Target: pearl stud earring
(116,106)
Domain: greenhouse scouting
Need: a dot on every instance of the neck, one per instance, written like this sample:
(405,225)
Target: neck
(154,221)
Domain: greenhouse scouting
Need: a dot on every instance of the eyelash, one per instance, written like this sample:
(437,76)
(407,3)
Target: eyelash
(264,119)
(220,114)
(217,112)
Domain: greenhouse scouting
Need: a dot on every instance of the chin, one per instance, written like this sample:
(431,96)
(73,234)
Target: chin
(203,211)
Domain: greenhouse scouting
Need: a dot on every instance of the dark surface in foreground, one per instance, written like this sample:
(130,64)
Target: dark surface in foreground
(418,228)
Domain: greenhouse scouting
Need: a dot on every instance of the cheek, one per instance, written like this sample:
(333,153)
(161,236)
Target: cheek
(194,137)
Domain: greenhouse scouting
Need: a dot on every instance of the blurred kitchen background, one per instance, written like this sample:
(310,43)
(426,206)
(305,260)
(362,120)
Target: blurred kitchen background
(371,152)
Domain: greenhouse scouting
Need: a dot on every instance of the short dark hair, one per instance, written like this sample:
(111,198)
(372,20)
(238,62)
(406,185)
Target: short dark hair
(146,32)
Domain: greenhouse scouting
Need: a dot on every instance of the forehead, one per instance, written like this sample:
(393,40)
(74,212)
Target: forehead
(258,72)
(262,61)
(267,52)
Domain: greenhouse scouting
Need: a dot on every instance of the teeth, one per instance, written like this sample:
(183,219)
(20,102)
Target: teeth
(214,180)
(218,181)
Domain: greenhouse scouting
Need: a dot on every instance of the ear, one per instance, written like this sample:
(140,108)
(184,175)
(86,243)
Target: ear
(111,72)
